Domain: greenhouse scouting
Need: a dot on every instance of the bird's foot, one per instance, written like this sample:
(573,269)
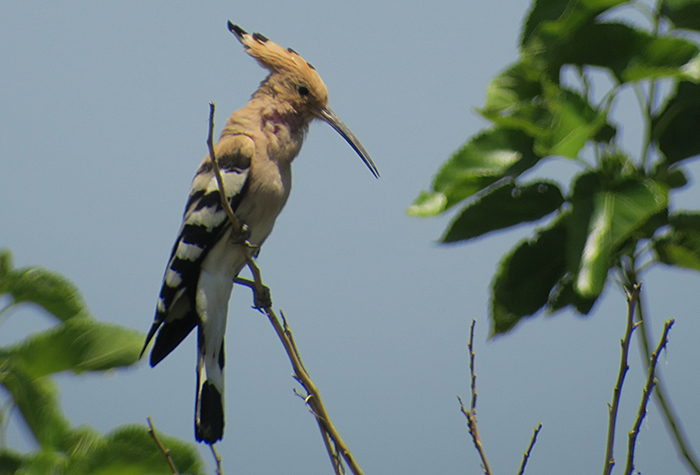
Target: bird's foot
(262,299)
(243,236)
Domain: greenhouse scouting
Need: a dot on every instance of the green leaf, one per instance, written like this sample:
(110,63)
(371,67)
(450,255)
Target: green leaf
(672,176)
(563,15)
(681,246)
(44,462)
(130,450)
(483,160)
(427,204)
(631,54)
(677,127)
(683,13)
(514,87)
(502,207)
(79,345)
(5,266)
(604,214)
(10,461)
(526,276)
(574,122)
(560,120)
(53,292)
(564,295)
(37,400)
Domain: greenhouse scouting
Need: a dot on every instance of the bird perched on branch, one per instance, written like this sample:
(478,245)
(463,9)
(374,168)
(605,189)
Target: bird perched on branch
(255,153)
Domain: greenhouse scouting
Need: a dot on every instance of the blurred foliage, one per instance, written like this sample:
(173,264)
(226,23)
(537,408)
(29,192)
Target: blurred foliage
(617,213)
(77,343)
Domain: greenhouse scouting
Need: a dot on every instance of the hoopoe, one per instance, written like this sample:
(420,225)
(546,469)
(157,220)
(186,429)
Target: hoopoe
(255,153)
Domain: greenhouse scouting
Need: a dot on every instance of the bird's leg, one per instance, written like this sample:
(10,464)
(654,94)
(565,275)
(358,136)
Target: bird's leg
(262,299)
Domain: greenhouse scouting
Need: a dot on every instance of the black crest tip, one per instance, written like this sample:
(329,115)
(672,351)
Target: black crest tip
(236,30)
(260,38)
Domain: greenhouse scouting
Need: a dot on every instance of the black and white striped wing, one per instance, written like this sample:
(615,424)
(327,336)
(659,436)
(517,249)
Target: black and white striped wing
(204,223)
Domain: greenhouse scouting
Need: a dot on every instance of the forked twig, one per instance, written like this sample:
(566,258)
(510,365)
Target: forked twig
(161,447)
(338,448)
(670,417)
(646,393)
(632,298)
(471,413)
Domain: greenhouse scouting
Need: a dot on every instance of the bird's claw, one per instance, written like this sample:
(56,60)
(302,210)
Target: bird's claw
(262,299)
(243,236)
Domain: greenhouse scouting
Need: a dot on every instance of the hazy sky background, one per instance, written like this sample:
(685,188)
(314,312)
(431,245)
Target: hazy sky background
(103,121)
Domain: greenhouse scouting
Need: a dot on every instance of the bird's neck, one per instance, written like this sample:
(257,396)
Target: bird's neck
(275,122)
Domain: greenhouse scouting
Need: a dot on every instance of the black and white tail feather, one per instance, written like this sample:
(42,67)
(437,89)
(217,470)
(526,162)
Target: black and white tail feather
(195,294)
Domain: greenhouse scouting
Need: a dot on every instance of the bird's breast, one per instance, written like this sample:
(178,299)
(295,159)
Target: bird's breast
(268,189)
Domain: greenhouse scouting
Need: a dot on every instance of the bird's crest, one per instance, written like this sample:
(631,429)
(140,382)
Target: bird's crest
(272,56)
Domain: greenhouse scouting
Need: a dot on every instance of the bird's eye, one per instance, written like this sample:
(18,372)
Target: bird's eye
(303,91)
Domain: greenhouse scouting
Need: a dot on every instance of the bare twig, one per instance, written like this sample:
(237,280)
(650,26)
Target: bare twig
(237,228)
(470,346)
(632,298)
(215,454)
(166,452)
(337,450)
(651,381)
(471,413)
(671,419)
(527,453)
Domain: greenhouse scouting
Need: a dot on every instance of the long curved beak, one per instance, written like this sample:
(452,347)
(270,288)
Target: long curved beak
(334,121)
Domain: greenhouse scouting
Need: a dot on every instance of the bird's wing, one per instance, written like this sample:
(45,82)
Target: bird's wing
(204,224)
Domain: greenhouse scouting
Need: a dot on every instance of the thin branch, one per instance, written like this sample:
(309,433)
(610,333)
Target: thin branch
(240,231)
(651,381)
(166,452)
(219,471)
(237,228)
(471,413)
(314,397)
(472,373)
(632,299)
(527,453)
(671,419)
(334,443)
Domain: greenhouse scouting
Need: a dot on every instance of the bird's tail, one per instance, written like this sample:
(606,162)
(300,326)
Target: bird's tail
(209,405)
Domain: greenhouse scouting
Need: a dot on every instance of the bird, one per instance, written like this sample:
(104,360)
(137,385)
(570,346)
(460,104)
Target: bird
(254,153)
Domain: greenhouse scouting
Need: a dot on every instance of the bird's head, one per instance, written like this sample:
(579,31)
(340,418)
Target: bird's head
(295,82)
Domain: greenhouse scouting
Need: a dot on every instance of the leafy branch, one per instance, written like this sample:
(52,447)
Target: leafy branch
(617,214)
(76,343)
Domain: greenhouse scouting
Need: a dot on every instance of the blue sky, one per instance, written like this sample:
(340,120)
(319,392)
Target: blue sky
(103,121)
